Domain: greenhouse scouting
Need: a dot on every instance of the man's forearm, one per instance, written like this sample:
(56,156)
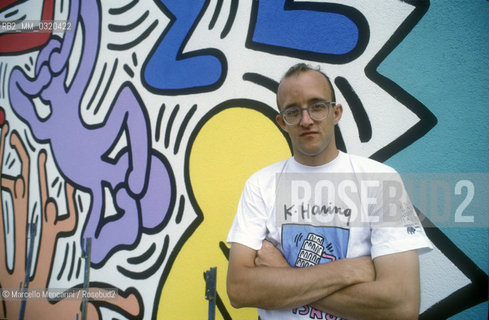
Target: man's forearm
(272,287)
(281,288)
(367,301)
(385,298)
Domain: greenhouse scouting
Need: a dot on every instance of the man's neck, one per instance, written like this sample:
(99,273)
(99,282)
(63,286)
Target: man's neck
(316,160)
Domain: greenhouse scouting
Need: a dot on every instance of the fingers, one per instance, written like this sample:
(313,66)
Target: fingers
(270,256)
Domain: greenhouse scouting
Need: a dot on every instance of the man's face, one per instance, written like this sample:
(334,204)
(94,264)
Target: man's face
(312,141)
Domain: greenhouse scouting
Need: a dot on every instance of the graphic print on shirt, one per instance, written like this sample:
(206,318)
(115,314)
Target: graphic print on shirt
(409,218)
(306,245)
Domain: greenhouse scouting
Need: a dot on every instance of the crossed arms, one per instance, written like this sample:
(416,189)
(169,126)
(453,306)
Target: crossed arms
(354,288)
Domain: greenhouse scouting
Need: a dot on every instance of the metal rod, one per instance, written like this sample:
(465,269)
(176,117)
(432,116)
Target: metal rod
(210,291)
(31,234)
(86,276)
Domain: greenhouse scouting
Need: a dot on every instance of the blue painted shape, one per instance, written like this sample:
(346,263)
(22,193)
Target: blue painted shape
(168,68)
(308,30)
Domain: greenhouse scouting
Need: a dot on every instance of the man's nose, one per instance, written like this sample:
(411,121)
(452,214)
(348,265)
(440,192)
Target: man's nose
(306,119)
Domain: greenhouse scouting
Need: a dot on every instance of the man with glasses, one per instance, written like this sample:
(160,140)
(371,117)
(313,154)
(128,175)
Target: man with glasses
(294,259)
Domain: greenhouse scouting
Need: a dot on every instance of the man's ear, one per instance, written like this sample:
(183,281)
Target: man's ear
(338,112)
(280,121)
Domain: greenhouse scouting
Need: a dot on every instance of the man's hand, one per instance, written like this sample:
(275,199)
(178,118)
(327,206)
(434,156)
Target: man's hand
(362,268)
(270,256)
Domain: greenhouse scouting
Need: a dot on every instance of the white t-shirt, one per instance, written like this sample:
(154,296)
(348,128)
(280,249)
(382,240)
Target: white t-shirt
(349,207)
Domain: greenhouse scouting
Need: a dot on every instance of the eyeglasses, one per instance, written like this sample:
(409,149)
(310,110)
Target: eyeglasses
(317,111)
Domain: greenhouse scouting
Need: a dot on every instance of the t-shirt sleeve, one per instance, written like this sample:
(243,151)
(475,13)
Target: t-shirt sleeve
(250,223)
(396,227)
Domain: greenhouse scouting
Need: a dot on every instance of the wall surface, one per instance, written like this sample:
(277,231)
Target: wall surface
(135,124)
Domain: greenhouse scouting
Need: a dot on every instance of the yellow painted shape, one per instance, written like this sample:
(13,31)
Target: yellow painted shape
(230,147)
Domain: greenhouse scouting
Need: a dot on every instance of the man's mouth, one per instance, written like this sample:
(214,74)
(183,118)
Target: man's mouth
(308,133)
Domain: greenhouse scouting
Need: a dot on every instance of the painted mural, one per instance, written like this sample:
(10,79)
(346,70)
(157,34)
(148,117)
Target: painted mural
(132,126)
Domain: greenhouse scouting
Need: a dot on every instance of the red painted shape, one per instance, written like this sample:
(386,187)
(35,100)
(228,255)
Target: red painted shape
(25,41)
(2,116)
(6,3)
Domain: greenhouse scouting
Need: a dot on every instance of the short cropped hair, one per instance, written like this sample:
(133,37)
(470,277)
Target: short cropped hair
(303,67)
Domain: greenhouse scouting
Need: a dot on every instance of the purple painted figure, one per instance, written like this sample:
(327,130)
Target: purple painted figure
(139,179)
